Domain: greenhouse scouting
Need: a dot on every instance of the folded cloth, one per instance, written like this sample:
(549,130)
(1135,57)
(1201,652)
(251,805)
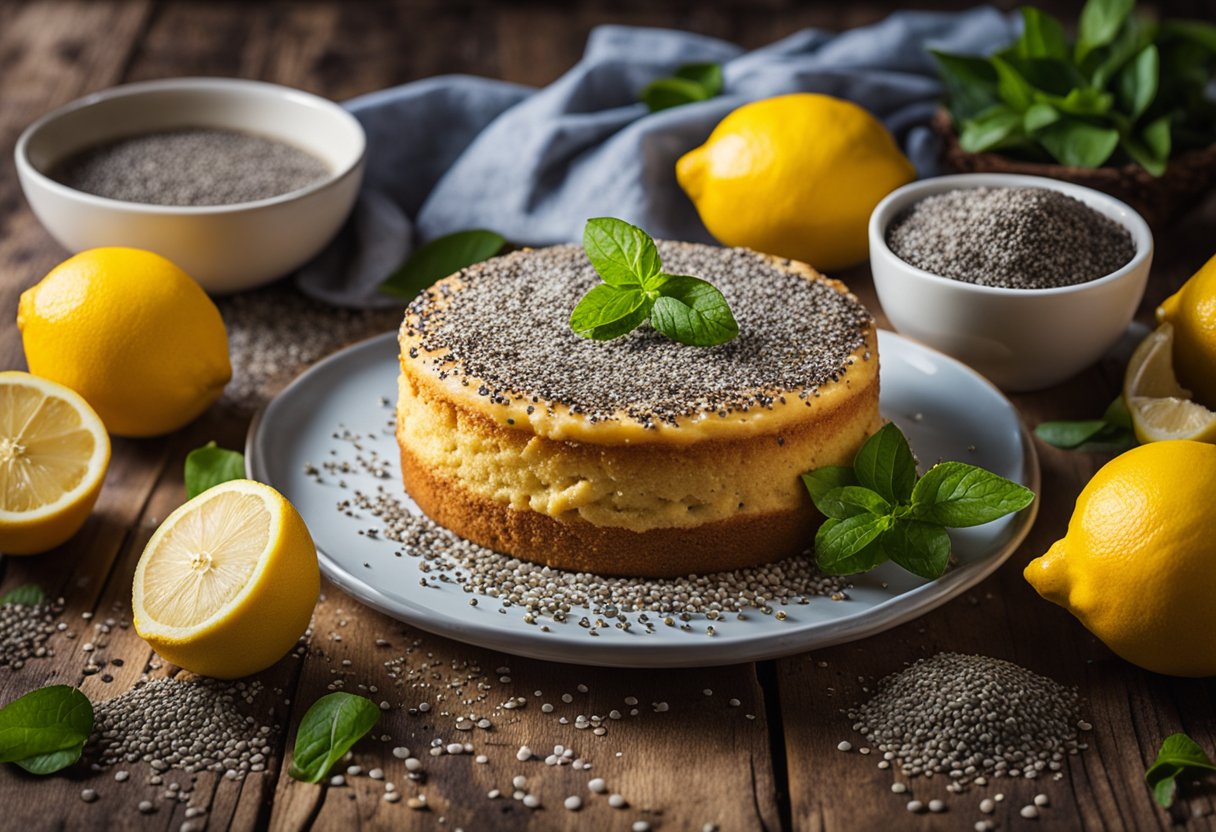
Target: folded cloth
(455,152)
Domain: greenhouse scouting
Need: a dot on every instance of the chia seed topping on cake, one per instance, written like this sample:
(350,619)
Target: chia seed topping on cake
(507,328)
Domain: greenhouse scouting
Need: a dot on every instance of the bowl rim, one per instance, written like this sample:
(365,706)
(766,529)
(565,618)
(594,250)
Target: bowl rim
(897,200)
(215,84)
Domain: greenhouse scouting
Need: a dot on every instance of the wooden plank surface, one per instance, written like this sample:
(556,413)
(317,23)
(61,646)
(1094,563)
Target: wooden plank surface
(769,763)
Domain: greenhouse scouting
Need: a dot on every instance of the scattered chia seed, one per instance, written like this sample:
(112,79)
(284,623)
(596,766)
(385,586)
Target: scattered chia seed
(193,166)
(507,331)
(24,630)
(1016,238)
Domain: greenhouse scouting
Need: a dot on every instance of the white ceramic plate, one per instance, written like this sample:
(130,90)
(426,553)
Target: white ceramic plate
(946,410)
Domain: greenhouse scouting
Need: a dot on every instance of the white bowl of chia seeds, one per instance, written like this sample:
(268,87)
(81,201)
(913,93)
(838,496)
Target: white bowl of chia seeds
(238,182)
(1027,279)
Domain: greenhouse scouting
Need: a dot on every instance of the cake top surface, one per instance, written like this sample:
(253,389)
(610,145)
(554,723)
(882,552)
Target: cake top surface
(504,325)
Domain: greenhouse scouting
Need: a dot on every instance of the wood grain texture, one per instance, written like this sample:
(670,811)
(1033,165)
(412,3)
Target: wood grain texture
(769,763)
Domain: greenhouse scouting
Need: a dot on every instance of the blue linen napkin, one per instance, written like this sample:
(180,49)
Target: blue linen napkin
(456,152)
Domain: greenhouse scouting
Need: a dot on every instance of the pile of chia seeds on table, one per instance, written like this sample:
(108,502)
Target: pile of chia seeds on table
(24,630)
(508,328)
(193,166)
(1016,238)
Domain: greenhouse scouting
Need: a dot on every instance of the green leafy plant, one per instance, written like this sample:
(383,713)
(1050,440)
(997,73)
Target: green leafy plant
(879,510)
(689,83)
(1127,89)
(209,466)
(331,726)
(45,730)
(1179,753)
(683,308)
(1112,432)
(441,257)
(30,594)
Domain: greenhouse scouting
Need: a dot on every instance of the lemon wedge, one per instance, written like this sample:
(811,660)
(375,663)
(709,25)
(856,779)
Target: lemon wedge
(54,451)
(227,584)
(1160,407)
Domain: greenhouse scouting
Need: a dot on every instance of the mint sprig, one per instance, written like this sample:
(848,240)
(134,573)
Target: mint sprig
(329,728)
(1112,432)
(684,308)
(1178,753)
(879,510)
(441,257)
(688,84)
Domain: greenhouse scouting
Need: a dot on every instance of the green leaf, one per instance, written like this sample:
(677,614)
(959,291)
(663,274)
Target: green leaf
(708,75)
(1079,143)
(1157,138)
(846,547)
(1117,414)
(1083,101)
(1068,435)
(665,93)
(1039,116)
(1102,64)
(849,500)
(45,730)
(1042,36)
(970,84)
(1203,34)
(991,129)
(29,595)
(622,254)
(209,466)
(607,312)
(822,480)
(441,257)
(1099,24)
(1137,82)
(921,548)
(885,464)
(1011,86)
(1165,788)
(1177,754)
(956,494)
(694,312)
(331,726)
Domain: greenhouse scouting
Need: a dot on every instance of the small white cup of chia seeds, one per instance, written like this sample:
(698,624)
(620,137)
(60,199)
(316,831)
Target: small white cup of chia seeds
(238,182)
(1025,327)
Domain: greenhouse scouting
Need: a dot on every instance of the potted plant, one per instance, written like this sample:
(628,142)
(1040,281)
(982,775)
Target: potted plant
(1126,107)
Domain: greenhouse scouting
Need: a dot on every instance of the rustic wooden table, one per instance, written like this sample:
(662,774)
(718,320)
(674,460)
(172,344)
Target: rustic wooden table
(771,763)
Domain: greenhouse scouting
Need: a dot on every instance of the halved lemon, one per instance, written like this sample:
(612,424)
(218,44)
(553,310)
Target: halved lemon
(1160,407)
(54,451)
(227,584)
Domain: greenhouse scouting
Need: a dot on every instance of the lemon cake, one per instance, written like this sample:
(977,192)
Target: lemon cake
(637,456)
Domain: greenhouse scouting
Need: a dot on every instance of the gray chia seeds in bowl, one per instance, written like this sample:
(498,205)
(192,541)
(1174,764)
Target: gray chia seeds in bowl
(191,167)
(1014,238)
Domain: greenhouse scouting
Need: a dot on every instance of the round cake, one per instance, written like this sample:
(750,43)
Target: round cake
(638,456)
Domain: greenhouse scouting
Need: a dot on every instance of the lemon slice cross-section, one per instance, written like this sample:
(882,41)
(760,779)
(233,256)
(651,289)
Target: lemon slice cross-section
(54,451)
(227,584)
(1160,407)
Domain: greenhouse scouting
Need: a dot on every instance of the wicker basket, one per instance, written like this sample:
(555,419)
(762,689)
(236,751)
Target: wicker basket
(1187,180)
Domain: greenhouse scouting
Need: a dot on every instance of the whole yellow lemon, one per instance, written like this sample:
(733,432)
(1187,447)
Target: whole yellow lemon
(131,333)
(1138,565)
(795,176)
(1192,311)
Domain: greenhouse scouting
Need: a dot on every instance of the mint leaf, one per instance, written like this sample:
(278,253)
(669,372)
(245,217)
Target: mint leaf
(689,83)
(622,254)
(1100,22)
(885,464)
(956,494)
(1069,435)
(693,311)
(850,500)
(45,730)
(607,312)
(921,548)
(1042,36)
(1178,753)
(1079,143)
(29,595)
(331,726)
(991,129)
(849,546)
(1113,432)
(1137,81)
(209,466)
(822,480)
(441,257)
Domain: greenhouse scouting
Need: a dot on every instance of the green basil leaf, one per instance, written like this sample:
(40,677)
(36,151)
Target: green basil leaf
(1099,23)
(1011,86)
(1117,414)
(1039,116)
(708,75)
(1103,63)
(1068,435)
(991,129)
(622,254)
(970,84)
(45,730)
(1079,143)
(885,464)
(1111,438)
(850,500)
(1177,754)
(441,257)
(956,494)
(607,312)
(665,93)
(694,312)
(1137,82)
(1042,36)
(331,726)
(846,547)
(209,466)
(921,548)
(822,480)
(1165,789)
(29,595)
